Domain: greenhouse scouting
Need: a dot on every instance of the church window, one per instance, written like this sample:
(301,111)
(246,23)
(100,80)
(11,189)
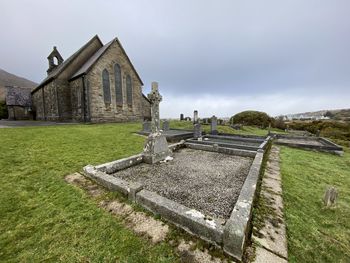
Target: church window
(128,90)
(118,84)
(106,86)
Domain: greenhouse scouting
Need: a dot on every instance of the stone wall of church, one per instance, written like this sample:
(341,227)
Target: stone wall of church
(146,109)
(38,106)
(77,100)
(45,103)
(111,112)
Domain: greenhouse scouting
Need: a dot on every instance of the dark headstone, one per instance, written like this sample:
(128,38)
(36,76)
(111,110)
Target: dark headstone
(195,117)
(197,133)
(165,125)
(213,125)
(146,126)
(181,117)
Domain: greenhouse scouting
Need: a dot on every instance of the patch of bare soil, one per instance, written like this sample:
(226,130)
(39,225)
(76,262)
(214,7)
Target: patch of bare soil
(190,254)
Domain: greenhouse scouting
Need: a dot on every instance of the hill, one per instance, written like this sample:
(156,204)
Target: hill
(341,114)
(8,79)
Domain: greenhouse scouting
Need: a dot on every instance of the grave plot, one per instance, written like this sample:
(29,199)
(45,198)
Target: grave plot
(208,194)
(206,189)
(206,181)
(311,143)
(232,141)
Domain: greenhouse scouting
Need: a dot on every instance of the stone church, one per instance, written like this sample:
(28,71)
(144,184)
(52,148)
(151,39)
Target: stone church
(98,83)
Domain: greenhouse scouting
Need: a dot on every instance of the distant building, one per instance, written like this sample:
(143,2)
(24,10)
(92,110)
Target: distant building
(98,83)
(19,103)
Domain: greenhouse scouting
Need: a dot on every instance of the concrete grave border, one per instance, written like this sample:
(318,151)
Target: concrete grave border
(328,146)
(232,236)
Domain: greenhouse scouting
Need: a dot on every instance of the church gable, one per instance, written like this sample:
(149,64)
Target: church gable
(115,86)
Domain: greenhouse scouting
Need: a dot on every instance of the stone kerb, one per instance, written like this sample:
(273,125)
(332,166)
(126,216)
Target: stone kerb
(237,228)
(188,219)
(219,149)
(112,183)
(120,164)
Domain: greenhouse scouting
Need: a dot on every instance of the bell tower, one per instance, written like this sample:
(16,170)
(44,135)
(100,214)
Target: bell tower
(54,59)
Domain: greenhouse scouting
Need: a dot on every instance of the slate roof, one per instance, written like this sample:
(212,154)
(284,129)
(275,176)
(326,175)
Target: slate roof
(91,61)
(18,96)
(64,64)
(88,64)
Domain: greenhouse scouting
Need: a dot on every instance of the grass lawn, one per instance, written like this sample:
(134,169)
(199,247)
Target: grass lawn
(246,130)
(316,234)
(42,218)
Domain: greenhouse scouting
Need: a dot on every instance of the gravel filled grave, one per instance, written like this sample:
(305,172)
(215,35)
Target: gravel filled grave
(209,182)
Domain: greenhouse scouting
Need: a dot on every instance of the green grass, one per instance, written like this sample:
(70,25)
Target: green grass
(316,234)
(42,218)
(245,130)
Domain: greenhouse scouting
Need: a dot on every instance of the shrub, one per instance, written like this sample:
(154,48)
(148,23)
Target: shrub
(279,123)
(3,110)
(254,118)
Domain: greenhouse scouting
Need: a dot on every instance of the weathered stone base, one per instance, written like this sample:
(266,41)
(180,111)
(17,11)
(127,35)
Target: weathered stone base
(156,148)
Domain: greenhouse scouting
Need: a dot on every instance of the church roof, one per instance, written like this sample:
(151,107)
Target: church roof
(65,63)
(18,96)
(94,58)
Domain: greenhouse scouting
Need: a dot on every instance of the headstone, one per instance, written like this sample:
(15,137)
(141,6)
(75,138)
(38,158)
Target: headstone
(156,148)
(318,133)
(146,126)
(165,125)
(269,131)
(330,196)
(195,117)
(214,125)
(197,133)
(181,117)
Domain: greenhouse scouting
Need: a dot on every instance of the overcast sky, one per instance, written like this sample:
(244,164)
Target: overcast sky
(218,57)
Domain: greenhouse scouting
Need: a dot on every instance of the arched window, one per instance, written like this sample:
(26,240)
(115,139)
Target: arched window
(128,90)
(106,86)
(118,84)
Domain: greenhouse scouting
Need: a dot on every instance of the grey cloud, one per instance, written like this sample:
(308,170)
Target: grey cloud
(195,48)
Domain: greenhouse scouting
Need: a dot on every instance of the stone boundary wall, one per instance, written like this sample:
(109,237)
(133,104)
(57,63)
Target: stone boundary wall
(232,236)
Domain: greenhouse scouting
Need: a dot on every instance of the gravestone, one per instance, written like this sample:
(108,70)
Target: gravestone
(197,133)
(156,148)
(330,196)
(146,126)
(181,117)
(213,125)
(318,133)
(195,117)
(165,125)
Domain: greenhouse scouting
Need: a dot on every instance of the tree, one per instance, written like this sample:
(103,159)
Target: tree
(328,114)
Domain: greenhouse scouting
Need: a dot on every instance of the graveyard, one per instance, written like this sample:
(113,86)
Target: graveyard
(42,214)
(205,189)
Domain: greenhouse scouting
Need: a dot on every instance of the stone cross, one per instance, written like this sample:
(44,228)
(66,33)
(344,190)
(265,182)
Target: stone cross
(155,98)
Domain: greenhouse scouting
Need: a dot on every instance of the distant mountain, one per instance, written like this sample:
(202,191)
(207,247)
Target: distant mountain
(8,79)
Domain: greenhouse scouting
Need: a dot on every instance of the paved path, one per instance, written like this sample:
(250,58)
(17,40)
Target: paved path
(272,239)
(14,124)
